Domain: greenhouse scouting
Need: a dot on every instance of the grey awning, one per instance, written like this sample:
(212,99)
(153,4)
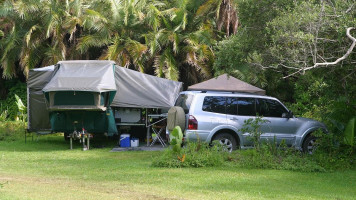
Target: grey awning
(135,89)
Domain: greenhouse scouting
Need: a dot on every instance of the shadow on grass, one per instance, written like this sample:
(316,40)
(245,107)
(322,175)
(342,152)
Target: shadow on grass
(53,143)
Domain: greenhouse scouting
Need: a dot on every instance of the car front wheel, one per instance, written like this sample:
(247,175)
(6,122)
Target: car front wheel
(309,144)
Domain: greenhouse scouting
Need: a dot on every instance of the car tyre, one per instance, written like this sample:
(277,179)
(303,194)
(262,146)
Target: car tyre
(309,144)
(227,141)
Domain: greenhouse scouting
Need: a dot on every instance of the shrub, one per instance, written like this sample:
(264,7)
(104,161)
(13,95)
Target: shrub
(285,159)
(253,126)
(332,153)
(194,154)
(9,104)
(11,130)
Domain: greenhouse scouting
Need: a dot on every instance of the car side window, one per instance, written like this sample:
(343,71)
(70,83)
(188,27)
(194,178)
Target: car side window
(246,107)
(231,105)
(214,104)
(269,108)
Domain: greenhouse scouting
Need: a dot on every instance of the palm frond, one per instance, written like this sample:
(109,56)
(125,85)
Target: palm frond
(94,40)
(135,49)
(30,58)
(26,8)
(172,71)
(9,68)
(153,17)
(53,54)
(159,65)
(151,39)
(6,8)
(115,48)
(29,33)
(208,7)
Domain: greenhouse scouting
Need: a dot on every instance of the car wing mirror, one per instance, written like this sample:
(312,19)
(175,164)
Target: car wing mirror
(288,115)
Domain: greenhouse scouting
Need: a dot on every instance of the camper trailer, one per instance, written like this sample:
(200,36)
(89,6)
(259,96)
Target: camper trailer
(98,96)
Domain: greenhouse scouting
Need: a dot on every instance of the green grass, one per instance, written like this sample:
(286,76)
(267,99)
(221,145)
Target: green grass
(47,169)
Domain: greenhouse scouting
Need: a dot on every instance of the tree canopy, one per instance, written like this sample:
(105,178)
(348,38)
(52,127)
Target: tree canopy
(170,38)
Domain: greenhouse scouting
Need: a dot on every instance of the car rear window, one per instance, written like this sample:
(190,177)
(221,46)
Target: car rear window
(184,101)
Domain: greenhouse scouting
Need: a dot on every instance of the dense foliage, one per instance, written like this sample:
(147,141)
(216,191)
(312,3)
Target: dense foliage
(277,43)
(173,38)
(8,108)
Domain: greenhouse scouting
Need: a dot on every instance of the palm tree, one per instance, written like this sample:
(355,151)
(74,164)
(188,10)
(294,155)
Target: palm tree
(225,12)
(146,35)
(38,33)
(177,46)
(12,24)
(118,32)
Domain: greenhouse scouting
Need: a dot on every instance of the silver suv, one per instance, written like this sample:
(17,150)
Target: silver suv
(219,116)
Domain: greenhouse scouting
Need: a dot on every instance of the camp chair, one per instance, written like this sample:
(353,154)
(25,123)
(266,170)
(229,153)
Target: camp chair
(157,127)
(158,135)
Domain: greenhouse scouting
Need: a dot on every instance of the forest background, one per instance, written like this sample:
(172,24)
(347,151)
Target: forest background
(274,44)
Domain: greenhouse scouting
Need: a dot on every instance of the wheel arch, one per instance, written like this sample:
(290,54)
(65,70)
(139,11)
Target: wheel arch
(229,131)
(310,131)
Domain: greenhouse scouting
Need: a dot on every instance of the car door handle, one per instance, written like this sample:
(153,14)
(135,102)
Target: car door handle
(234,119)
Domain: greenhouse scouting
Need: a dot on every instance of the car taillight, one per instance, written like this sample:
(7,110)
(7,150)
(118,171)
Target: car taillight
(192,123)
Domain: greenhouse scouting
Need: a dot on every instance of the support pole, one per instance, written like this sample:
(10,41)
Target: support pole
(88,139)
(148,135)
(83,141)
(148,129)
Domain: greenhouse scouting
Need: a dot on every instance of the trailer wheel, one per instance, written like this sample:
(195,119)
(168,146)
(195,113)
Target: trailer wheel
(66,136)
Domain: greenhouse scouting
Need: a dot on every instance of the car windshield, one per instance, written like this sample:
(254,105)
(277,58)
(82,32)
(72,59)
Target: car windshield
(184,101)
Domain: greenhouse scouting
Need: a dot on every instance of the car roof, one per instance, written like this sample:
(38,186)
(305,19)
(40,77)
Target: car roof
(228,94)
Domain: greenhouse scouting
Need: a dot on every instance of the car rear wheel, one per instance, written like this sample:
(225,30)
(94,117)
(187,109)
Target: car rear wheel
(226,140)
(309,144)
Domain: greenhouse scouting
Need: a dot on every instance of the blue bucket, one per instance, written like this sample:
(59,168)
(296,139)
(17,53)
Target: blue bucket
(125,140)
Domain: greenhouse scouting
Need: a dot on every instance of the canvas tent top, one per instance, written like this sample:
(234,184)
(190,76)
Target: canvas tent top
(135,89)
(227,84)
(93,76)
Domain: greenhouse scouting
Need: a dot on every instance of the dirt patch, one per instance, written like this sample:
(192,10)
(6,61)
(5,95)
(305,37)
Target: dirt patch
(32,187)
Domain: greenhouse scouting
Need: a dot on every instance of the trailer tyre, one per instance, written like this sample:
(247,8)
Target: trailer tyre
(66,138)
(176,117)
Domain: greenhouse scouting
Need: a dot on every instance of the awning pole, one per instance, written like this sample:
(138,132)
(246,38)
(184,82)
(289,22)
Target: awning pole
(148,129)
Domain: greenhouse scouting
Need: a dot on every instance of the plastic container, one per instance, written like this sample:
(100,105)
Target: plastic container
(125,140)
(134,142)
